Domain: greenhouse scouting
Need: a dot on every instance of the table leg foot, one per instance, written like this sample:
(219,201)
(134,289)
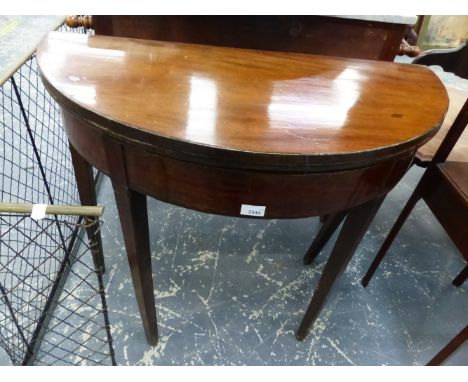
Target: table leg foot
(353,230)
(300,336)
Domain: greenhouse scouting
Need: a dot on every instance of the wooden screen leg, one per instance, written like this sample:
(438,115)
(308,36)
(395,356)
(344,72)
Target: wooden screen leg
(87,192)
(353,230)
(461,278)
(450,348)
(133,216)
(415,196)
(326,231)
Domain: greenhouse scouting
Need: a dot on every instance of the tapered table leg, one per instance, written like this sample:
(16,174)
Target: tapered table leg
(354,228)
(329,226)
(87,192)
(134,222)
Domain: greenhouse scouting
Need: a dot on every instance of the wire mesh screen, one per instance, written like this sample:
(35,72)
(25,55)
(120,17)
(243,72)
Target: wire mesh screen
(36,167)
(53,309)
(35,161)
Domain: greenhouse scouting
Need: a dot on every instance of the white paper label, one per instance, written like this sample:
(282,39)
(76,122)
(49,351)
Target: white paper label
(247,209)
(38,211)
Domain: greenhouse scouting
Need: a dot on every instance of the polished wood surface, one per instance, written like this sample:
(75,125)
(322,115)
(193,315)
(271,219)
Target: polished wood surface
(296,110)
(460,152)
(212,128)
(329,36)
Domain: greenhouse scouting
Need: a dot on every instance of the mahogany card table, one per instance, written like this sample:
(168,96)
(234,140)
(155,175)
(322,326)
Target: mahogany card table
(238,132)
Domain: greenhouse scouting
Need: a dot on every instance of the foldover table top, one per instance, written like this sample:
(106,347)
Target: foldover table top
(249,107)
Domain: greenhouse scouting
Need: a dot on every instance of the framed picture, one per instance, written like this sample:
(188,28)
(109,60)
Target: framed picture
(442,32)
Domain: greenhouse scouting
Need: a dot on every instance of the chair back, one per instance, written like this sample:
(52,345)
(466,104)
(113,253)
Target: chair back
(451,60)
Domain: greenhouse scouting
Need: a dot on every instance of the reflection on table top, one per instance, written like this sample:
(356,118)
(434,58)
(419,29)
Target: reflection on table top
(244,100)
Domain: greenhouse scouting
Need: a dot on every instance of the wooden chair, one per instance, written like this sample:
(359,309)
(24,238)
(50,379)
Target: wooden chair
(456,62)
(444,185)
(452,60)
(444,188)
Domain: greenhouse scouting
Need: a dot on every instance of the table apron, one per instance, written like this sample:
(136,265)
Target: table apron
(221,190)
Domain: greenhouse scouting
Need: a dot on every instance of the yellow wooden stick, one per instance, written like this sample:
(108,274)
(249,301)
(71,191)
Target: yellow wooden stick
(53,209)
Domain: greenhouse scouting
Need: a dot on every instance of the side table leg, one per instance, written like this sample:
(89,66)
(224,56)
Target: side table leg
(134,222)
(133,216)
(87,191)
(450,348)
(353,230)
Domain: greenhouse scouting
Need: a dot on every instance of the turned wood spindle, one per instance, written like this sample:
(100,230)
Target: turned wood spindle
(408,50)
(79,21)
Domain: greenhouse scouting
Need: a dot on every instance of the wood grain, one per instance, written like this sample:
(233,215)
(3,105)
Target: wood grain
(243,106)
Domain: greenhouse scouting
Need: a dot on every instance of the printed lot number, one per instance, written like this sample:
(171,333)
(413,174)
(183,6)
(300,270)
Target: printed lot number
(249,210)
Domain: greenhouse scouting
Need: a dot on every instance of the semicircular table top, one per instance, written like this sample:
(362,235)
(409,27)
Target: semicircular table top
(244,104)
